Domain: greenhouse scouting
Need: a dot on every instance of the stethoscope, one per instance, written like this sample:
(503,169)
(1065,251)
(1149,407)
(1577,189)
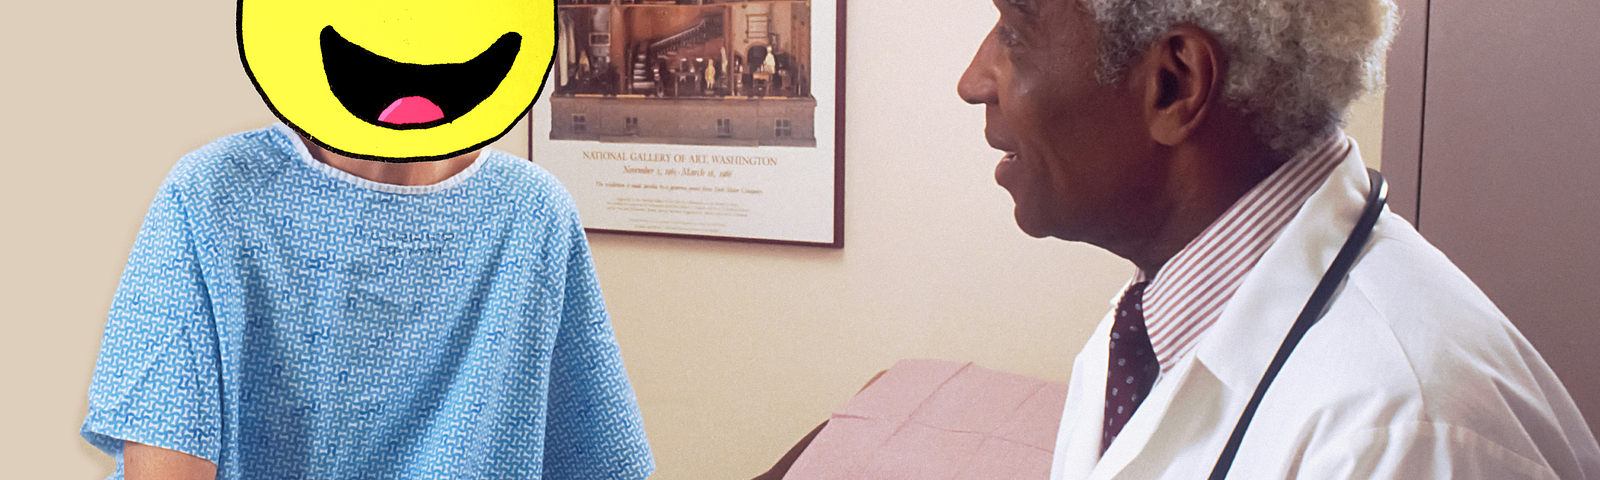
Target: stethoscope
(1315,308)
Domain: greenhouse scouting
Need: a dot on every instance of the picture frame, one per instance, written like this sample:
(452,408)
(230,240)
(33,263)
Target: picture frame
(707,119)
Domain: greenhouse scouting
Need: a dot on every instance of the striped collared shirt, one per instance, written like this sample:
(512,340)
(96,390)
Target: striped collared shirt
(1187,294)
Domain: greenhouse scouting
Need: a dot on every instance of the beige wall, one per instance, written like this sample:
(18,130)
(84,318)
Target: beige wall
(736,350)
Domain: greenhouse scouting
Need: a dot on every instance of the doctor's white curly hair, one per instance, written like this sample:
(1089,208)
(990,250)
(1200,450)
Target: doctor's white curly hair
(1296,65)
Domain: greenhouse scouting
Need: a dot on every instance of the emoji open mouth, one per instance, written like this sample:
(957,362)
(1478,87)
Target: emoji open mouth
(403,96)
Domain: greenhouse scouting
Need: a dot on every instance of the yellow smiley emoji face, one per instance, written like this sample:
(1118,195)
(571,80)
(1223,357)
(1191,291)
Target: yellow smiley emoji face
(398,80)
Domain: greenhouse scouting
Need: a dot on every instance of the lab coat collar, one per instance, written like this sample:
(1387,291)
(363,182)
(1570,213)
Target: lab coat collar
(1253,324)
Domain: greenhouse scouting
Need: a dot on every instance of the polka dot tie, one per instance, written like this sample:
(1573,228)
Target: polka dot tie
(1133,364)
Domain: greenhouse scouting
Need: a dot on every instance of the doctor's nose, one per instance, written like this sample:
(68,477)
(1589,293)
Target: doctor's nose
(977,85)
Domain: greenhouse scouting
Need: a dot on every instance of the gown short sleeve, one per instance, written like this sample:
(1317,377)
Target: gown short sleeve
(156,381)
(594,430)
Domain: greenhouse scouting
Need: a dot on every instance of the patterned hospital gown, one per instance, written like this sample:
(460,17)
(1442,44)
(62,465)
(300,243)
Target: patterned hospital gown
(287,320)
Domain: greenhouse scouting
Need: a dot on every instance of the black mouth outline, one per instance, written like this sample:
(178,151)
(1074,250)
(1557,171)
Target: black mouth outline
(367,83)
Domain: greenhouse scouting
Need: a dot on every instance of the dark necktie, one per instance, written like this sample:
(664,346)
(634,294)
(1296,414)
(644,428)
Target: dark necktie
(1133,364)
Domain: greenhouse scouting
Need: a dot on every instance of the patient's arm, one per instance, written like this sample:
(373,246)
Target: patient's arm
(144,462)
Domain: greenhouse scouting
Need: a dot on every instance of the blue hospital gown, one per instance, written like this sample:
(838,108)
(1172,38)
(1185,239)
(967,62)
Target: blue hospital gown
(287,320)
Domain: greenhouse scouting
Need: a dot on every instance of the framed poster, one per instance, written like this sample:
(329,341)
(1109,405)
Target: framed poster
(703,118)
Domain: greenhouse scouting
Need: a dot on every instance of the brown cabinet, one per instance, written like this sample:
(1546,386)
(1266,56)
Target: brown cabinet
(1492,142)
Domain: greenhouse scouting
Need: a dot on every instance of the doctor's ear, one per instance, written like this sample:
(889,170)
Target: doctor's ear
(1183,74)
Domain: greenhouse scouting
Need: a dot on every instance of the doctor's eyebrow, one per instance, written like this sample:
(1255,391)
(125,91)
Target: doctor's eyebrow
(1021,6)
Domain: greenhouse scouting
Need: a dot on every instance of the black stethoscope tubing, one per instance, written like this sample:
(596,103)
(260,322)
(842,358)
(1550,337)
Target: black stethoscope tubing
(1315,308)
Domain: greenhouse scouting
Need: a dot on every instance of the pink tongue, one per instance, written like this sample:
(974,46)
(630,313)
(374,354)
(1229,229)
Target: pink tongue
(410,110)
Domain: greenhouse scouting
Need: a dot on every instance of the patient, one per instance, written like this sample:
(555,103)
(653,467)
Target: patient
(300,304)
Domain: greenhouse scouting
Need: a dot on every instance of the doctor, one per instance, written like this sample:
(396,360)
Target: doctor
(1201,141)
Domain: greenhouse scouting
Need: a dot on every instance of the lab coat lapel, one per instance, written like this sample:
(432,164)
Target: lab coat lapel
(1159,421)
(1078,440)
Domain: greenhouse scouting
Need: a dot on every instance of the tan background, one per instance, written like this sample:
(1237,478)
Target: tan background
(736,350)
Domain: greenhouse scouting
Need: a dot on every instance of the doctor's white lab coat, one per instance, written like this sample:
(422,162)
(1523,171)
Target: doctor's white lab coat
(1412,374)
